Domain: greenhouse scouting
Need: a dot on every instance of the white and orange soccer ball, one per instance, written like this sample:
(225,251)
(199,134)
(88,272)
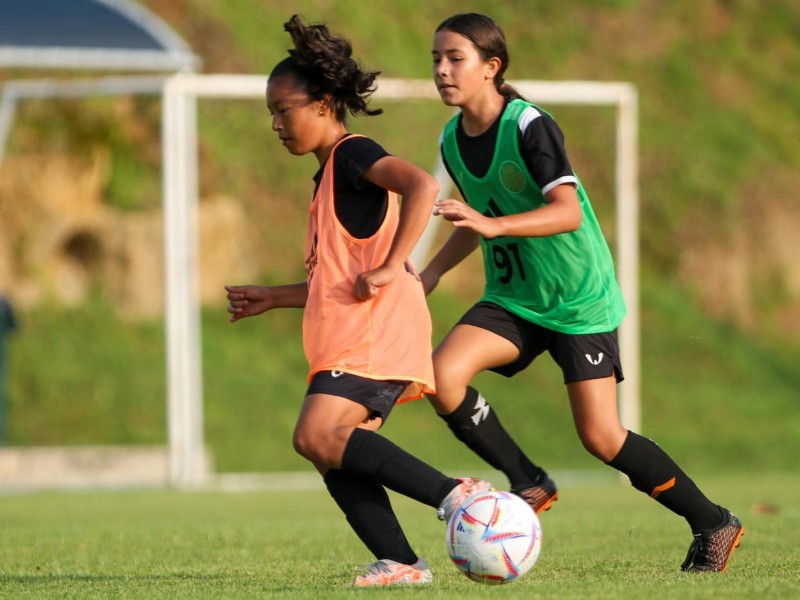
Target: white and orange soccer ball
(494,537)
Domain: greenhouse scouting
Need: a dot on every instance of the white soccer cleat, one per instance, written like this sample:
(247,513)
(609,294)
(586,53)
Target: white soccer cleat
(389,572)
(469,487)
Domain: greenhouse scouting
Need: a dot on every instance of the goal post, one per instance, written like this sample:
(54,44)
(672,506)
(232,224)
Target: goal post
(187,465)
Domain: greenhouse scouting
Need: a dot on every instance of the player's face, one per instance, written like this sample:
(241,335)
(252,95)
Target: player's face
(295,116)
(459,71)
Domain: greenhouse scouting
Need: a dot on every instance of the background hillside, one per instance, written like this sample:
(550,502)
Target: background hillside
(719,128)
(719,221)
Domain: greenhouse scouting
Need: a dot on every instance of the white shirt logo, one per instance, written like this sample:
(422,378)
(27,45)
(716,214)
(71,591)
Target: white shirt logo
(337,373)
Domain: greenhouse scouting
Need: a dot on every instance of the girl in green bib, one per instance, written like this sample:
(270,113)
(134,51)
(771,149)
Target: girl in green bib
(550,286)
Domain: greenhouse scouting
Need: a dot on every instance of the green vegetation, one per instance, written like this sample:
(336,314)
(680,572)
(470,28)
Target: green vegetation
(712,396)
(717,122)
(718,103)
(715,98)
(601,540)
(126,131)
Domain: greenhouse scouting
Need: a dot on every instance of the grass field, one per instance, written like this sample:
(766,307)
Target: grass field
(602,540)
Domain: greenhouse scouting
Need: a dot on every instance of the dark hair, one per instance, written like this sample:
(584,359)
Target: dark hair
(323,63)
(490,41)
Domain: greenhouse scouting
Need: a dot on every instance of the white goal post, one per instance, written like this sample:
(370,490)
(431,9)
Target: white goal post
(187,465)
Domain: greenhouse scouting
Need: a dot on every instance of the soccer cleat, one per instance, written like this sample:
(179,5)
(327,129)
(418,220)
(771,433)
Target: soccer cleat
(389,572)
(710,551)
(540,496)
(469,486)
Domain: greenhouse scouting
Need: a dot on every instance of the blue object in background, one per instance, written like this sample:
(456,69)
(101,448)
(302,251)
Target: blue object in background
(7,324)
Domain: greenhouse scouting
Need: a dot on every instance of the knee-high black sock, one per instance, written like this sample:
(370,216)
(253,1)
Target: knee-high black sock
(375,457)
(367,508)
(653,472)
(476,425)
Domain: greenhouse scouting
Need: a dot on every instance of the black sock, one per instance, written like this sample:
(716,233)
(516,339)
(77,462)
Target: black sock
(367,508)
(375,457)
(476,425)
(653,472)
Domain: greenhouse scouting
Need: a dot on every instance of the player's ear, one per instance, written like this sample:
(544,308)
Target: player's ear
(491,67)
(324,106)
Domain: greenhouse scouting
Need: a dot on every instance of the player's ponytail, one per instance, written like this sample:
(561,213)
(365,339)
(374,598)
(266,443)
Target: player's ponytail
(323,62)
(490,41)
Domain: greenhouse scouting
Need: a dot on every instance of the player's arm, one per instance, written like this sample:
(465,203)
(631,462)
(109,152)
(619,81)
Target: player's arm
(541,144)
(561,214)
(461,243)
(418,191)
(251,300)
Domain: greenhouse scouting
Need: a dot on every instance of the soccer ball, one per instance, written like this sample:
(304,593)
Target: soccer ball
(494,537)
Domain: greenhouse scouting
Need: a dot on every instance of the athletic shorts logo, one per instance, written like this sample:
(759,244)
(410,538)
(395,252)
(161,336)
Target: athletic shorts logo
(593,361)
(337,373)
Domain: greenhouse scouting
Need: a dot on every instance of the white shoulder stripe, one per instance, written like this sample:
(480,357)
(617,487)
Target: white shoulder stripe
(528,115)
(565,179)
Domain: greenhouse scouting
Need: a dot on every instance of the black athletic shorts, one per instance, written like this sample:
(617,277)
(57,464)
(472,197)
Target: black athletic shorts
(581,357)
(377,395)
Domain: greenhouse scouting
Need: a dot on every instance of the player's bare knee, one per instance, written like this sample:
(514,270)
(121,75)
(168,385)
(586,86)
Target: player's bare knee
(451,384)
(309,445)
(447,399)
(592,443)
(323,447)
(451,372)
(300,444)
(598,445)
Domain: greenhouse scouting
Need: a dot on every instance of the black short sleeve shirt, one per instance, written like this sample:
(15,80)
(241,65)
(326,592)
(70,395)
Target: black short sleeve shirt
(360,205)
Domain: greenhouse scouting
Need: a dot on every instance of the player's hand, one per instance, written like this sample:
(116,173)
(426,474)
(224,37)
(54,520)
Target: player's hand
(247,301)
(368,283)
(461,215)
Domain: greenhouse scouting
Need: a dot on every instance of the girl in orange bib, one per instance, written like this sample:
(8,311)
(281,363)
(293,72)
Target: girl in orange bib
(366,327)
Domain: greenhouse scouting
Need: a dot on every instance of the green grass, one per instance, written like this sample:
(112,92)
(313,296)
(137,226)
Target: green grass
(714,397)
(601,540)
(96,381)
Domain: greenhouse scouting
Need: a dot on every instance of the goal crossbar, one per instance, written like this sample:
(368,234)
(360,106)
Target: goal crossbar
(187,464)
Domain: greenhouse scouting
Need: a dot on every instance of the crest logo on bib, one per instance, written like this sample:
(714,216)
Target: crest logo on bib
(512,177)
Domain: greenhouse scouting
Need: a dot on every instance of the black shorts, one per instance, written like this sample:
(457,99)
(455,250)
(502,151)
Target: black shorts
(377,395)
(581,357)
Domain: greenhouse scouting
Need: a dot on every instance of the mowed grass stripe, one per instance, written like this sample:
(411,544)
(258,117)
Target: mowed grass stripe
(600,541)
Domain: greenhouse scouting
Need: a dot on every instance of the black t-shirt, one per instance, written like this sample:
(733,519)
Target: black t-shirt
(541,145)
(360,205)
